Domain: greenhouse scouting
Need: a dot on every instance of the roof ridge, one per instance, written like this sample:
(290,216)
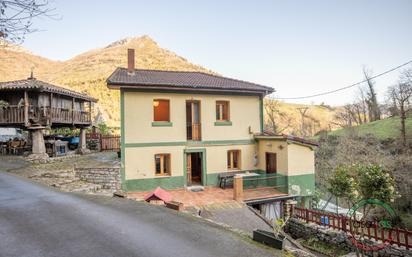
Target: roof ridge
(200,72)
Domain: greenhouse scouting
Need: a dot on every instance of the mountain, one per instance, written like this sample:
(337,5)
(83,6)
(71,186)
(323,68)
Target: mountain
(88,72)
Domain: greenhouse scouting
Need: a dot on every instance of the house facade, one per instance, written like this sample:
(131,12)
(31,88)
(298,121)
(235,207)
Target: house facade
(180,129)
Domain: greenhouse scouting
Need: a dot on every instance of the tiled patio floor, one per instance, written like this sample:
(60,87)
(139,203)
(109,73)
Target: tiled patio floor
(211,195)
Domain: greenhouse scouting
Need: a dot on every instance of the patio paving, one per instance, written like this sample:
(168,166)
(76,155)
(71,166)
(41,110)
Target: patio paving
(212,196)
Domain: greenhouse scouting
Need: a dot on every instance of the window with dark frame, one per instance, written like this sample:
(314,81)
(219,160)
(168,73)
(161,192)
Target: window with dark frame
(161,110)
(222,111)
(233,159)
(162,165)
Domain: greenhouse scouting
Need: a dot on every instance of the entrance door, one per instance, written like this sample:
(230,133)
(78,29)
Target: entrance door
(194,168)
(271,163)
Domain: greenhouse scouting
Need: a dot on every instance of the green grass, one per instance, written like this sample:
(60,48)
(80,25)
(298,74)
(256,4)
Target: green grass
(382,129)
(327,249)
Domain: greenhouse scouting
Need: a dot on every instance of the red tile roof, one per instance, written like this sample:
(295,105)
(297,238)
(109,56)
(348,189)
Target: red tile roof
(158,194)
(287,137)
(183,80)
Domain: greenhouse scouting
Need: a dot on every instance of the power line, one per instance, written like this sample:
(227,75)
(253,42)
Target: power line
(343,88)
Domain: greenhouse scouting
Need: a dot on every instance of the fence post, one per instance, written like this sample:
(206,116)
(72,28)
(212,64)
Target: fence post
(343,223)
(307,215)
(238,188)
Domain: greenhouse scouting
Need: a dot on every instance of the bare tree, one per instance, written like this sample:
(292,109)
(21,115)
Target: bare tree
(277,121)
(16,17)
(370,97)
(400,97)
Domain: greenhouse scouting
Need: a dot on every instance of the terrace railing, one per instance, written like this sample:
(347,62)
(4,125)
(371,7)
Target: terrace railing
(395,236)
(265,181)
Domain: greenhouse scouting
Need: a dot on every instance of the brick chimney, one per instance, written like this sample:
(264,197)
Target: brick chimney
(130,60)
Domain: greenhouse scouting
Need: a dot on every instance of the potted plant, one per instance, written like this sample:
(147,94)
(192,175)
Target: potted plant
(274,239)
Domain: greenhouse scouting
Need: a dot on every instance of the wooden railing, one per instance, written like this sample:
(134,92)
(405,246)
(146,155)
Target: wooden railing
(400,237)
(12,114)
(43,115)
(193,131)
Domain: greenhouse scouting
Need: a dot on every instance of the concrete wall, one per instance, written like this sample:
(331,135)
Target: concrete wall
(143,139)
(138,117)
(274,146)
(140,163)
(301,160)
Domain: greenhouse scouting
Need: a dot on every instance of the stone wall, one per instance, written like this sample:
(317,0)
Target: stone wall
(108,178)
(300,229)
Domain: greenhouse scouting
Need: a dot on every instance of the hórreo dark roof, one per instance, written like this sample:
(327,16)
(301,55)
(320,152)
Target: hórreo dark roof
(181,80)
(34,84)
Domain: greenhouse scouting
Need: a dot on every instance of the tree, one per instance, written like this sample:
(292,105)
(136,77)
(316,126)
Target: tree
(400,99)
(362,181)
(375,183)
(369,95)
(16,17)
(277,121)
(343,185)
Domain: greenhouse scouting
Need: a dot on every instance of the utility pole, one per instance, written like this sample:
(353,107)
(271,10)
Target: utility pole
(302,111)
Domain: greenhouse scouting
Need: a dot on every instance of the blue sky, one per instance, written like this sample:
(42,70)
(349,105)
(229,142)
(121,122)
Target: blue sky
(297,47)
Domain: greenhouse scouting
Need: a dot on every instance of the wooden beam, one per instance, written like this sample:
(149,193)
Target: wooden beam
(90,111)
(50,121)
(73,111)
(26,109)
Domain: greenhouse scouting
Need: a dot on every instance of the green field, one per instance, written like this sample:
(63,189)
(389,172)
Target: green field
(382,129)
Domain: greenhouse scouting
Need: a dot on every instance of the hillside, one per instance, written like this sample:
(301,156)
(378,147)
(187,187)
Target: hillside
(317,118)
(382,129)
(88,71)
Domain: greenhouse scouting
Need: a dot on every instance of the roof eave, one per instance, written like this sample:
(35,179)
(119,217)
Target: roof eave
(115,85)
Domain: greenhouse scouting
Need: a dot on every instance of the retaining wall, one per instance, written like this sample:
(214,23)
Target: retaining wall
(299,229)
(108,178)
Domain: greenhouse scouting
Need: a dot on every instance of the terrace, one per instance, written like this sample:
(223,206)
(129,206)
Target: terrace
(264,186)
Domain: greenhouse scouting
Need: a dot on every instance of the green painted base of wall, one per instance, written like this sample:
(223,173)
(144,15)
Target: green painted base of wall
(212,179)
(303,185)
(148,184)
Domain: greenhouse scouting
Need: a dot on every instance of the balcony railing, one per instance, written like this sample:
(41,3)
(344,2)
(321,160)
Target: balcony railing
(11,115)
(193,131)
(44,115)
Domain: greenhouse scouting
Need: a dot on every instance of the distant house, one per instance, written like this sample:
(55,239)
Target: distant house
(181,129)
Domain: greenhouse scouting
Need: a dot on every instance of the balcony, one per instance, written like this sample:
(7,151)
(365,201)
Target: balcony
(193,131)
(16,115)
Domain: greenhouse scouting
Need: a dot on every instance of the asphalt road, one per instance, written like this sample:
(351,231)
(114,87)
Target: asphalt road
(39,221)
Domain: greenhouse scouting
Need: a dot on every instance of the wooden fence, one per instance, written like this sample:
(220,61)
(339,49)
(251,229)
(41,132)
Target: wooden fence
(396,236)
(106,142)
(110,143)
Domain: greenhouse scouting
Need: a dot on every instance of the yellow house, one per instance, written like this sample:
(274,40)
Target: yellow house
(185,128)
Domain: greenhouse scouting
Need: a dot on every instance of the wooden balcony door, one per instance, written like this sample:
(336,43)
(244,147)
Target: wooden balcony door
(271,163)
(193,126)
